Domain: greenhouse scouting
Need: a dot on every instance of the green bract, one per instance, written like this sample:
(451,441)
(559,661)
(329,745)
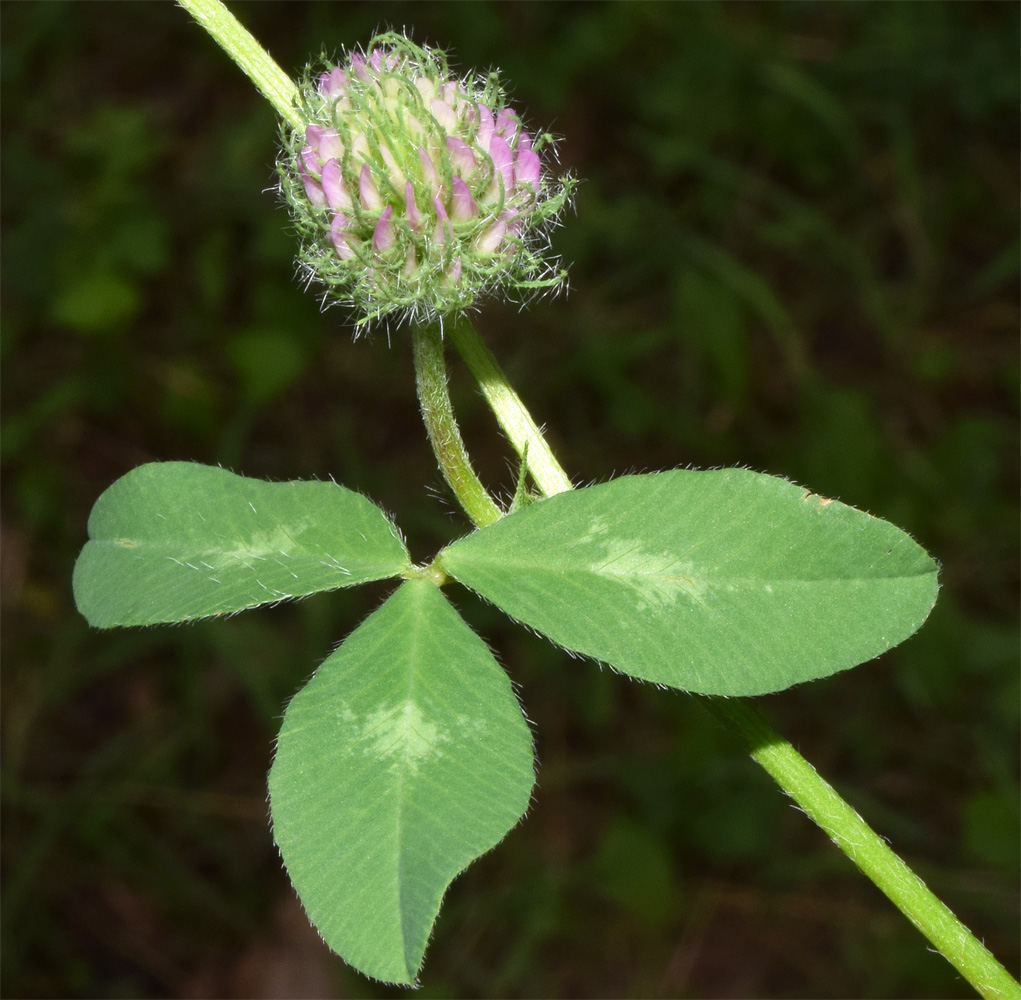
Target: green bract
(414,192)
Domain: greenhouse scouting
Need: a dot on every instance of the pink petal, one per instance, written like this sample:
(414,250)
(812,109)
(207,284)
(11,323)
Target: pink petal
(463,205)
(524,142)
(503,163)
(513,229)
(383,235)
(462,159)
(444,114)
(313,191)
(313,137)
(333,186)
(307,165)
(490,240)
(358,66)
(507,124)
(454,272)
(332,84)
(411,210)
(485,132)
(444,230)
(308,162)
(425,87)
(331,147)
(340,237)
(527,169)
(367,190)
(428,169)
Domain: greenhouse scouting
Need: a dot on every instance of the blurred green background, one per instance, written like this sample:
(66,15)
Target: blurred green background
(795,249)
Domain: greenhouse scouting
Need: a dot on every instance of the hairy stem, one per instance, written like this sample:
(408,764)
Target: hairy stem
(272,82)
(516,421)
(441,426)
(864,847)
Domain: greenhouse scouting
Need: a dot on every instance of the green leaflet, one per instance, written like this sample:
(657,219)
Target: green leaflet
(402,760)
(173,541)
(725,582)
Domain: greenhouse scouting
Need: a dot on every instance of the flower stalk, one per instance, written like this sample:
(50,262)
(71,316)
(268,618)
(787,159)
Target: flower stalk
(441,426)
(869,852)
(517,423)
(257,64)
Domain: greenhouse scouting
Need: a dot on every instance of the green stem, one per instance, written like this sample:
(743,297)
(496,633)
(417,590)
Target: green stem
(516,421)
(441,426)
(770,750)
(273,83)
(865,848)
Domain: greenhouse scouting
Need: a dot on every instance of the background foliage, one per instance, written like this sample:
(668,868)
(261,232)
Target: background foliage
(795,249)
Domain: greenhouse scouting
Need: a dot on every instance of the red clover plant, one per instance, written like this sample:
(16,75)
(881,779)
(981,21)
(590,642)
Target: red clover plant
(416,194)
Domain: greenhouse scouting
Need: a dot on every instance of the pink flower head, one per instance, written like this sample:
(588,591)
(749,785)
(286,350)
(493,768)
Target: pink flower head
(381,61)
(309,160)
(313,133)
(424,188)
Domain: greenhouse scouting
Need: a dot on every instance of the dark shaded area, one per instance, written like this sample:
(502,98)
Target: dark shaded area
(795,248)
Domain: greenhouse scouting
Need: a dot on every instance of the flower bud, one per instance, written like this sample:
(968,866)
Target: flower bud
(416,193)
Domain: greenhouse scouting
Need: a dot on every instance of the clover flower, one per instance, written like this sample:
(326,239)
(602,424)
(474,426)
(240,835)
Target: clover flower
(416,193)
